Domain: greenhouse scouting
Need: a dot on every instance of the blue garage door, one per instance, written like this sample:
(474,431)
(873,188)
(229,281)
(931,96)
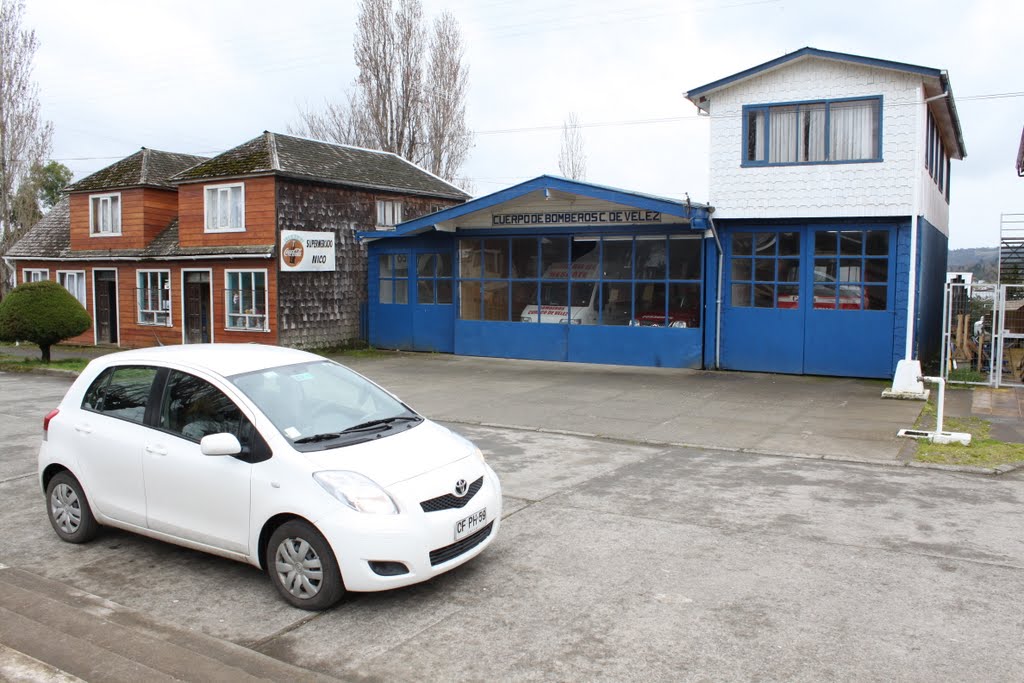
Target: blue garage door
(608,298)
(413,307)
(810,300)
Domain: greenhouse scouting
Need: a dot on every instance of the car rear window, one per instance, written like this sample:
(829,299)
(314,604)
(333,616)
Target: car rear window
(121,392)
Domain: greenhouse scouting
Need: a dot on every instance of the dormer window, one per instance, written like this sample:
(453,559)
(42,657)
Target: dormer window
(225,208)
(105,215)
(827,131)
(389,213)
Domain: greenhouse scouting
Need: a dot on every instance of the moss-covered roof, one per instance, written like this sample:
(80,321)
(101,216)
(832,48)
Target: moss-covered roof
(145,168)
(287,155)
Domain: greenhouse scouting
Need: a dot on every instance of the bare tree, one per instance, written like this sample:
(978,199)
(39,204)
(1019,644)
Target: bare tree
(572,159)
(410,95)
(25,139)
(447,138)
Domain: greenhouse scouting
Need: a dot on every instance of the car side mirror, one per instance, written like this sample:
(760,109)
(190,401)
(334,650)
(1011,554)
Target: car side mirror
(220,444)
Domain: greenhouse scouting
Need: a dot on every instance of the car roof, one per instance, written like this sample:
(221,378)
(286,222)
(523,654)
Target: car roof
(221,359)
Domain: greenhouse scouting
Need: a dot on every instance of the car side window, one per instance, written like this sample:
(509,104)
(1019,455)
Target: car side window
(121,392)
(193,408)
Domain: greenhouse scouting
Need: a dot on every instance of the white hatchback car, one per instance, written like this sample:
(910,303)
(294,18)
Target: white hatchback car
(271,456)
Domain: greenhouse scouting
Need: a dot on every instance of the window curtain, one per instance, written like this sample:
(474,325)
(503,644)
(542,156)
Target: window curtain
(782,142)
(812,133)
(853,130)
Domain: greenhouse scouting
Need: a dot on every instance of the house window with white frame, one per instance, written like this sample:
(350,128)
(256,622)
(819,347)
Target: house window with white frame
(389,213)
(154,297)
(105,214)
(34,274)
(74,282)
(246,294)
(826,131)
(225,208)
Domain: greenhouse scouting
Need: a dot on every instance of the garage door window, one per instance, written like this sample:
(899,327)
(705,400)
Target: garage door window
(765,269)
(623,280)
(434,278)
(851,270)
(394,278)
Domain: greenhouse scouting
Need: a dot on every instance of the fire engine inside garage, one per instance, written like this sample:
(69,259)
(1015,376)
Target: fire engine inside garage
(551,269)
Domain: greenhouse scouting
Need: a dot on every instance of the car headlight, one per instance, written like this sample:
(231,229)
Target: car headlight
(356,491)
(479,455)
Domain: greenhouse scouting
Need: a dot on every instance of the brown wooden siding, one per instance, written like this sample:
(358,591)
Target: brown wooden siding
(260,215)
(132,334)
(145,213)
(160,208)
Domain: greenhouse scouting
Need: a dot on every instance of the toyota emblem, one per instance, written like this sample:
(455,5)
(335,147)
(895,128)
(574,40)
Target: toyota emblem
(461,487)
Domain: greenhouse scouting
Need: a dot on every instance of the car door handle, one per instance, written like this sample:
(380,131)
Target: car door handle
(83,428)
(156,450)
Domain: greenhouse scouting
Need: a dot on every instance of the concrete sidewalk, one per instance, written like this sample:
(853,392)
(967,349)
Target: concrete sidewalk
(750,412)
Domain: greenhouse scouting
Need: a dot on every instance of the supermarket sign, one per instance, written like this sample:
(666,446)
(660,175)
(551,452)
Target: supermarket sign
(307,251)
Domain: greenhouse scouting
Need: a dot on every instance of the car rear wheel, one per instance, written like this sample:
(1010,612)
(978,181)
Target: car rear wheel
(302,566)
(68,510)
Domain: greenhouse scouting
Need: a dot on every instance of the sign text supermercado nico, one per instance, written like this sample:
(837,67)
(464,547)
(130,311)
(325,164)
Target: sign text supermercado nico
(307,251)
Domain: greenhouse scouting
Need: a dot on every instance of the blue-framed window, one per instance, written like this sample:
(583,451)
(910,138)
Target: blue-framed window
(936,159)
(434,278)
(765,269)
(393,278)
(646,280)
(818,132)
(851,270)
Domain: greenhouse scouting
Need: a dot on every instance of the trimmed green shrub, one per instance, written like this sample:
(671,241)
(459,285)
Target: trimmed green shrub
(43,313)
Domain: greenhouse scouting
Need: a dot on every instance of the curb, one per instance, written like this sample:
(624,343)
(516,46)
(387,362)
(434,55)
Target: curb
(851,459)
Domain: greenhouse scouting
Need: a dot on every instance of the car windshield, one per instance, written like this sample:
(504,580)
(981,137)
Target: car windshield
(322,404)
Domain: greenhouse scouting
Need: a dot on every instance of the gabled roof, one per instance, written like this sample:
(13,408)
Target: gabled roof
(936,82)
(287,155)
(686,210)
(50,239)
(145,168)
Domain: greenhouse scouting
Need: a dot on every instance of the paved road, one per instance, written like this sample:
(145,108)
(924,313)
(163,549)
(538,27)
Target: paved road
(615,563)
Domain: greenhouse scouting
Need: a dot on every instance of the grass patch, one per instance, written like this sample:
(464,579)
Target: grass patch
(966,374)
(984,451)
(19,364)
(351,352)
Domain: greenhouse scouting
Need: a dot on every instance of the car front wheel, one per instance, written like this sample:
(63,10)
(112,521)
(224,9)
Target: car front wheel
(68,509)
(303,568)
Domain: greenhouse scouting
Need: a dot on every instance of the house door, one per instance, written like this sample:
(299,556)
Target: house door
(197,307)
(105,295)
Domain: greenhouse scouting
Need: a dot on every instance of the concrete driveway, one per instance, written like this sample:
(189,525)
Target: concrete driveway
(616,562)
(757,413)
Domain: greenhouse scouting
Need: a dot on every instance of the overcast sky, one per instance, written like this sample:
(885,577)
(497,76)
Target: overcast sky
(203,76)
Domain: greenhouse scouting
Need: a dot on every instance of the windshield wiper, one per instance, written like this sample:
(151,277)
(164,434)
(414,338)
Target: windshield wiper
(379,423)
(318,437)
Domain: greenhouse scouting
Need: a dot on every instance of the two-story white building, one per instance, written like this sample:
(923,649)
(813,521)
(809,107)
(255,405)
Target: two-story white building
(830,182)
(825,234)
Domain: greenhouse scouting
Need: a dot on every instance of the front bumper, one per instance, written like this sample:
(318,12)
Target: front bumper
(424,542)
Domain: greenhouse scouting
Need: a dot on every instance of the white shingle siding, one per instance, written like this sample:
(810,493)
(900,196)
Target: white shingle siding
(869,189)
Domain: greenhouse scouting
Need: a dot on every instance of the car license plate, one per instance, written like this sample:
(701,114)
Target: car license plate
(468,525)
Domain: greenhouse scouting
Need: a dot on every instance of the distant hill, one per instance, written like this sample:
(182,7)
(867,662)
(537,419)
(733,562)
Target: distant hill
(982,261)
